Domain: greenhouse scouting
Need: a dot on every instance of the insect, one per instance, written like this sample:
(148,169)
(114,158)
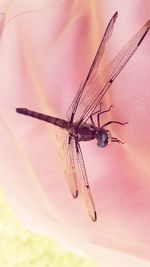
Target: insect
(80,125)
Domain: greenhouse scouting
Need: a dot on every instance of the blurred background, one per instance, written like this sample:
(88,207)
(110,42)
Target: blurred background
(20,247)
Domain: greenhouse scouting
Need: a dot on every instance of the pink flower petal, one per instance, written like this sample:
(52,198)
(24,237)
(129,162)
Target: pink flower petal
(43,58)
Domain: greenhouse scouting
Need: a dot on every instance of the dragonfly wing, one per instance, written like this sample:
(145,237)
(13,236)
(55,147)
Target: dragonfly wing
(97,87)
(75,172)
(93,69)
(72,108)
(66,152)
(84,184)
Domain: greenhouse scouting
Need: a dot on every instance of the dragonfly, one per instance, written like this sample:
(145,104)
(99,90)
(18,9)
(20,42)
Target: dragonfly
(83,117)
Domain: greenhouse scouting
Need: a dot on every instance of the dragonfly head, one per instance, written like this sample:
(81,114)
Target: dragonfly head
(103,137)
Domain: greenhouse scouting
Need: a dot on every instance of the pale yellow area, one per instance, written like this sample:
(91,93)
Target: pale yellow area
(19,247)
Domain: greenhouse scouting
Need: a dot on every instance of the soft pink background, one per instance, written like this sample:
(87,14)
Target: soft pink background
(44,55)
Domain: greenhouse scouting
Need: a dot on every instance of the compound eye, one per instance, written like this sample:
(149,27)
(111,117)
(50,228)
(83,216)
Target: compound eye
(102,138)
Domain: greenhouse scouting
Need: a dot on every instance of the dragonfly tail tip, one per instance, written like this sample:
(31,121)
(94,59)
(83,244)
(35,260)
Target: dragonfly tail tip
(20,110)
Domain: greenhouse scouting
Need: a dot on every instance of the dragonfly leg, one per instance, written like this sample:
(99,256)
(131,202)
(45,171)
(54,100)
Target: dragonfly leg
(101,112)
(98,111)
(92,121)
(110,122)
(114,139)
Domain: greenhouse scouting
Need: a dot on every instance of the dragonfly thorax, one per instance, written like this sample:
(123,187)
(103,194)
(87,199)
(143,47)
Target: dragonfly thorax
(86,132)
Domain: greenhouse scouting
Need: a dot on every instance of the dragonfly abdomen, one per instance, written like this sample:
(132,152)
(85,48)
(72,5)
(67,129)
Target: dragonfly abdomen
(50,119)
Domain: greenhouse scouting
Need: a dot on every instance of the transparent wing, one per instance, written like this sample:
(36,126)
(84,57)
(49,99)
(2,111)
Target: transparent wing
(84,184)
(96,88)
(66,152)
(75,172)
(93,69)
(72,108)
